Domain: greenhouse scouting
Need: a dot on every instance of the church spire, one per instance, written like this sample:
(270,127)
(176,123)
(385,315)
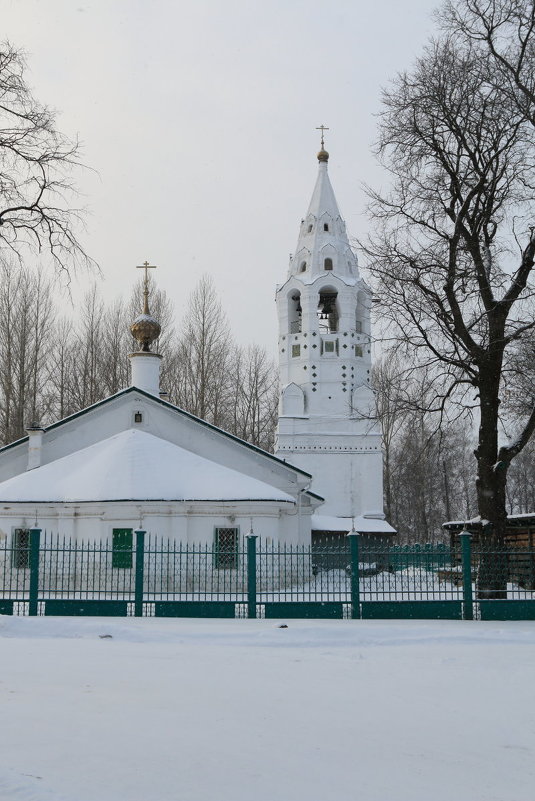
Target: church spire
(322,243)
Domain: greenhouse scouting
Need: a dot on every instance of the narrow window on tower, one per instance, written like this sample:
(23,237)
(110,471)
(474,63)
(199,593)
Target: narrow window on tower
(328,264)
(358,327)
(310,228)
(325,226)
(302,267)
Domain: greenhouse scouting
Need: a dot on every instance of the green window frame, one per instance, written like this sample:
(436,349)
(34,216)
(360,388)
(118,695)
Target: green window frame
(226,540)
(20,548)
(122,548)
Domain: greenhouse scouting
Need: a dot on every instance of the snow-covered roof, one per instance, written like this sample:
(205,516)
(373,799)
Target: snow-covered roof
(135,465)
(363,524)
(479,522)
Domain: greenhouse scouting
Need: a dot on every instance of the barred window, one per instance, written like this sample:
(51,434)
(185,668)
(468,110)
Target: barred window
(20,549)
(226,548)
(121,548)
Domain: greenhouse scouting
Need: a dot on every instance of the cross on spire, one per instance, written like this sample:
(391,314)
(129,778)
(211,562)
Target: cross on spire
(322,128)
(146,266)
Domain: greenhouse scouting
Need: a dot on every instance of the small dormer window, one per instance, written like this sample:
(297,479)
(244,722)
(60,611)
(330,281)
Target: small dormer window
(325,226)
(310,228)
(302,267)
(138,417)
(328,264)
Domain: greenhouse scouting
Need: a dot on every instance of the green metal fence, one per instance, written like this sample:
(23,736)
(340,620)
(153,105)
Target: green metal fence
(352,577)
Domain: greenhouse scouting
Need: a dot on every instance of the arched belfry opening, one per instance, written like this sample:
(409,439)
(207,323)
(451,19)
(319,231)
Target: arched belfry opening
(294,312)
(328,314)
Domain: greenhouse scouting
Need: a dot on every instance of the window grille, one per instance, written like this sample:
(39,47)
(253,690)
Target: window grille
(226,548)
(20,554)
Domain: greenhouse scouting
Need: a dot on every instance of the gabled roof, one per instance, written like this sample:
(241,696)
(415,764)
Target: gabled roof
(135,466)
(167,405)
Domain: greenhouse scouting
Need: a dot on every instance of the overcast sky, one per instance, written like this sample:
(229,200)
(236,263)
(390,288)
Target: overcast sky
(199,120)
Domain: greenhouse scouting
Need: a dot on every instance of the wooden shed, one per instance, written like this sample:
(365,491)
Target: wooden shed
(518,546)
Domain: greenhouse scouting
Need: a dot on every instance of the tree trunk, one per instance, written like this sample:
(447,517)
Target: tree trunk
(491,500)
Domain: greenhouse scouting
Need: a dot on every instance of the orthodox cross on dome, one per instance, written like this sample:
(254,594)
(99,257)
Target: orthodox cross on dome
(323,156)
(322,128)
(146,266)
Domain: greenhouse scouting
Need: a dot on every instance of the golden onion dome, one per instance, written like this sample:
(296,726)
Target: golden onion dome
(145,329)
(323,155)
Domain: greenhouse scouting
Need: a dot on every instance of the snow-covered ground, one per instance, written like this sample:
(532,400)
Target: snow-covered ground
(242,710)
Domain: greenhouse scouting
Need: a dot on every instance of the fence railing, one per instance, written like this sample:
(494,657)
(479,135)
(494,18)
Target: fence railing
(354,577)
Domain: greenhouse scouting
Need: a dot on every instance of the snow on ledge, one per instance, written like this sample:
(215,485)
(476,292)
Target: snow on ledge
(363,524)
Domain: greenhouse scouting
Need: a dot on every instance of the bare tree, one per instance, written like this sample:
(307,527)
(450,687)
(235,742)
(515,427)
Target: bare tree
(36,162)
(503,30)
(202,383)
(25,336)
(253,407)
(391,409)
(455,294)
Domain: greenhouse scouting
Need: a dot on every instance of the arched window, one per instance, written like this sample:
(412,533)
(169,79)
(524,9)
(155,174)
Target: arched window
(302,267)
(328,264)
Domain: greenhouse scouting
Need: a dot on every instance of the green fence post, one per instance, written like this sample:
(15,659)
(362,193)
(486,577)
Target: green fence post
(355,578)
(140,558)
(35,536)
(466,544)
(251,575)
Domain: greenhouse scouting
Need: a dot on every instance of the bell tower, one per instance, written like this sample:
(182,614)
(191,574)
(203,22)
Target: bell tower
(327,423)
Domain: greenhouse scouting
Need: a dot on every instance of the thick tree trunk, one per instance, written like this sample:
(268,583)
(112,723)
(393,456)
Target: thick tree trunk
(491,498)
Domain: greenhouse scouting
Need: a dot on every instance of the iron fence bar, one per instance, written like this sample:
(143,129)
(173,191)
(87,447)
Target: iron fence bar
(35,535)
(468,604)
(251,575)
(138,587)
(355,578)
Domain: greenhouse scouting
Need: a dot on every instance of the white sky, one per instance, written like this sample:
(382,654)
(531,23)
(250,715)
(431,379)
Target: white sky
(199,119)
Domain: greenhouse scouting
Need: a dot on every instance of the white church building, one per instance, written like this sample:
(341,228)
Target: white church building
(134,460)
